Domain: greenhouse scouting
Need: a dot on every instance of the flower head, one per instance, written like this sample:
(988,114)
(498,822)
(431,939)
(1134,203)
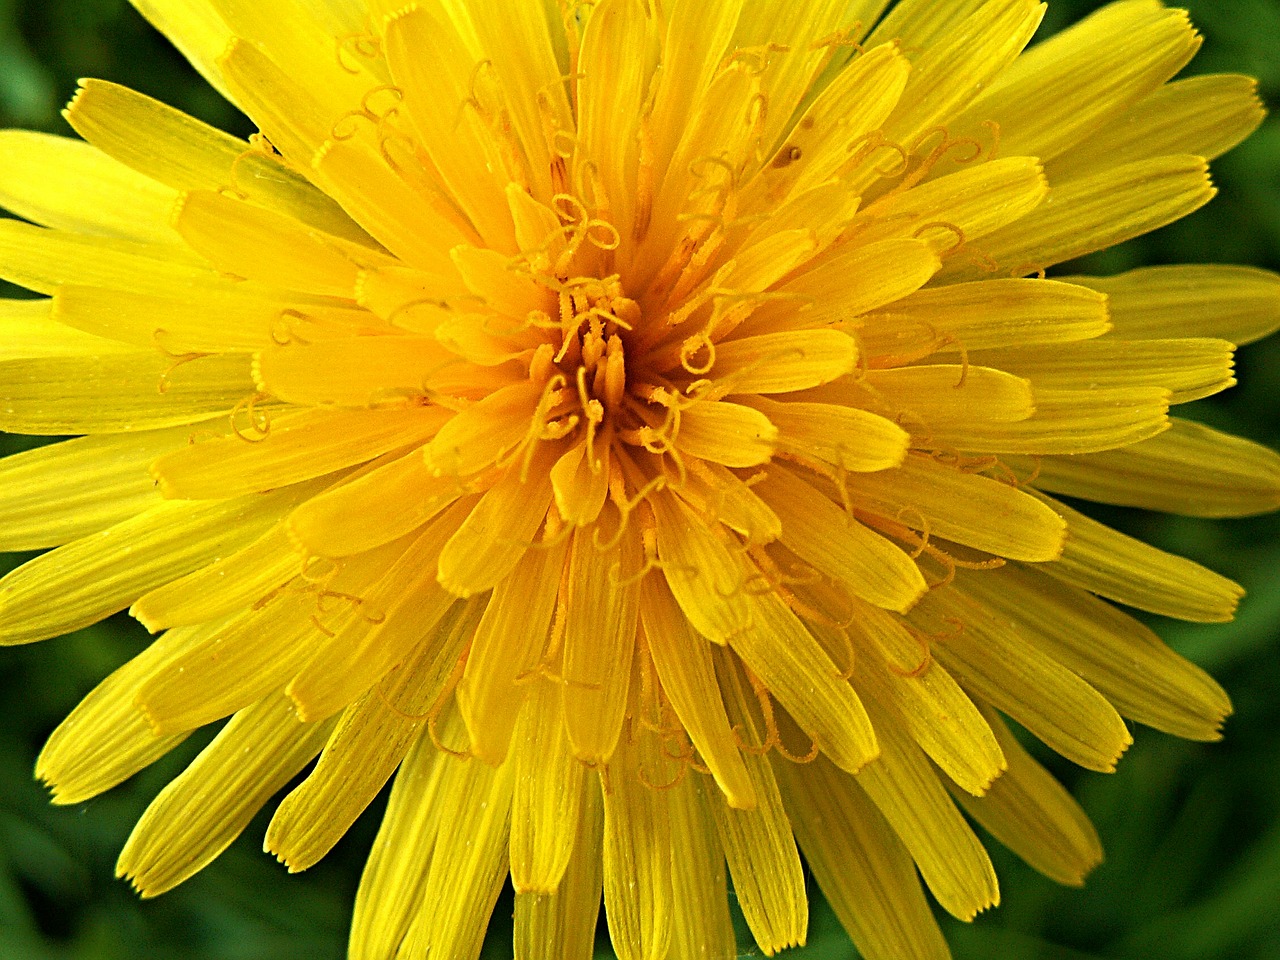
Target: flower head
(635,428)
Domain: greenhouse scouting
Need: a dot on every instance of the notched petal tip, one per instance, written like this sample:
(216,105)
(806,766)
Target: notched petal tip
(139,613)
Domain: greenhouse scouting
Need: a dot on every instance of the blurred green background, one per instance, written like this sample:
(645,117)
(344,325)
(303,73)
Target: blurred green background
(1192,836)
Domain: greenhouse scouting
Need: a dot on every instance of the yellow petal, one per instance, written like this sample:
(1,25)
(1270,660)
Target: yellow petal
(1034,816)
(125,125)
(371,738)
(704,576)
(1119,656)
(374,508)
(118,393)
(856,102)
(255,652)
(399,214)
(92,578)
(231,583)
(989,198)
(977,511)
(193,686)
(939,715)
(1116,566)
(919,24)
(717,491)
(580,481)
(258,244)
(599,640)
(697,38)
(727,433)
(783,362)
(412,300)
(1189,469)
(864,870)
(1239,304)
(395,875)
(612,87)
(844,436)
(469,864)
(908,792)
(108,199)
(1082,79)
(822,534)
(683,663)
(758,844)
(967,56)
(637,853)
(795,668)
(996,658)
(539,233)
(1203,116)
(722,116)
(405,609)
(506,650)
(982,315)
(203,810)
(353,172)
(866,277)
(938,396)
(358,372)
(42,259)
(28,331)
(105,739)
(562,925)
(483,433)
(297,446)
(517,40)
(300,35)
(497,532)
(238,319)
(429,63)
(1189,369)
(550,788)
(759,265)
(196,29)
(700,922)
(1071,421)
(492,277)
(790,74)
(486,340)
(823,211)
(1094,212)
(61,492)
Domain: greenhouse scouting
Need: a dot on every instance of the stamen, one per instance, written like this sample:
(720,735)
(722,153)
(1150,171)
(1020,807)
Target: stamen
(926,657)
(284,322)
(691,347)
(757,58)
(259,420)
(352,120)
(326,595)
(645,174)
(625,505)
(315,619)
(438,707)
(993,128)
(681,772)
(952,228)
(163,383)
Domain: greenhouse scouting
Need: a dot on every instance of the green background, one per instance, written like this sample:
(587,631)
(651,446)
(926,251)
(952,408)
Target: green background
(1191,832)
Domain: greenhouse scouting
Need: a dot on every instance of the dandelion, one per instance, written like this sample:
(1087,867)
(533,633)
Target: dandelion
(634,430)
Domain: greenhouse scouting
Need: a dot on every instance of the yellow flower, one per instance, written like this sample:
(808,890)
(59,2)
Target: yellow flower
(637,424)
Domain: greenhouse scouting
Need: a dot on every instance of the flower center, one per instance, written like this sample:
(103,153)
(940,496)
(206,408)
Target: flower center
(596,317)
